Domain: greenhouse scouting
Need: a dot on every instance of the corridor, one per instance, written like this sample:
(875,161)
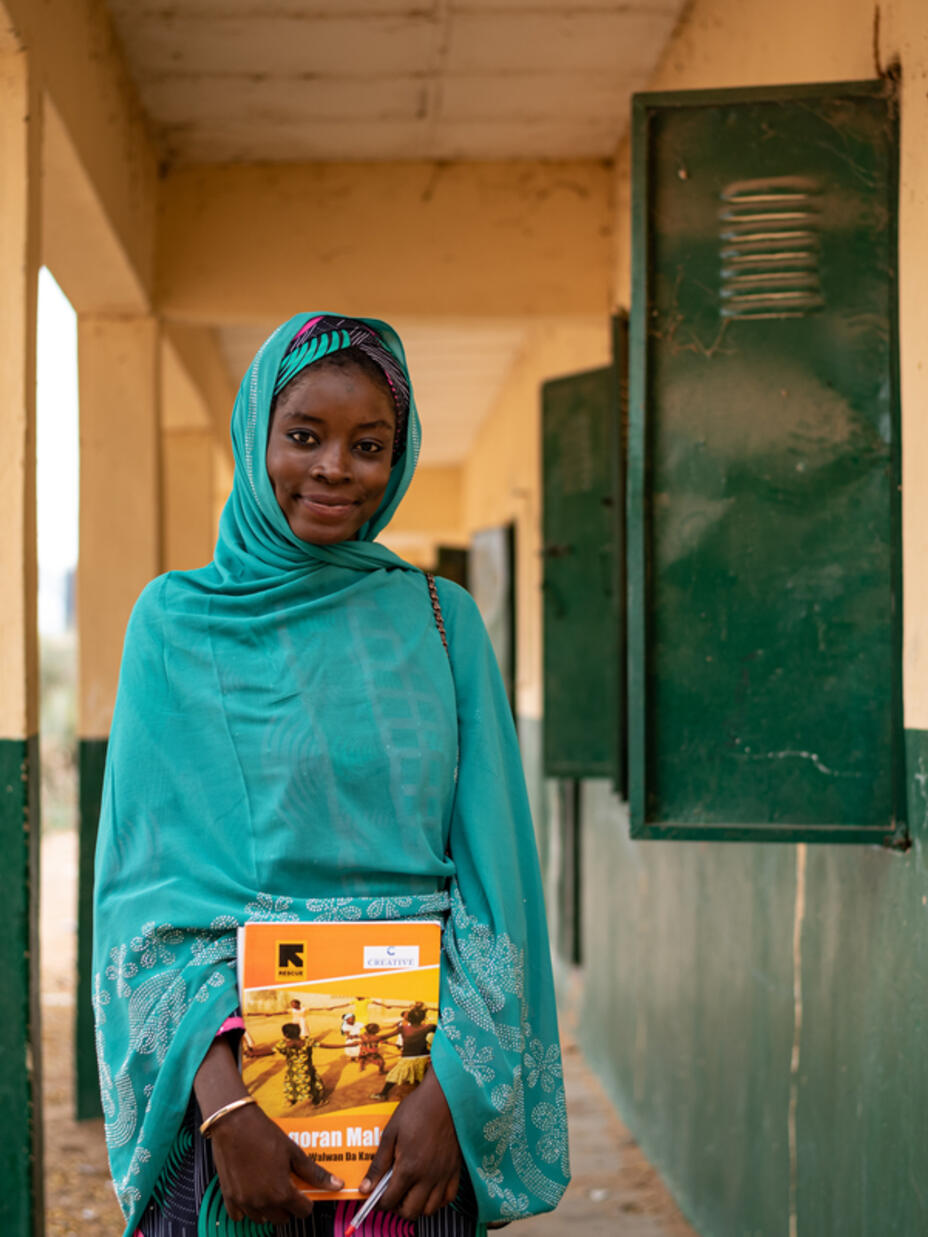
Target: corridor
(615,1191)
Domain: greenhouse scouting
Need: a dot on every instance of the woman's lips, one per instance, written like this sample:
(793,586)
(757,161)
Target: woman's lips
(326,508)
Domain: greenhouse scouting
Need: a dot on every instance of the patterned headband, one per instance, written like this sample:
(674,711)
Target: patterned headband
(322,336)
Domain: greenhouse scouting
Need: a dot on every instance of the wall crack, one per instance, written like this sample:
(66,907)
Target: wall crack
(799,914)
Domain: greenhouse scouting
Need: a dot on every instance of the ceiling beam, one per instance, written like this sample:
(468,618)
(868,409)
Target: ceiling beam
(78,62)
(196,349)
(256,242)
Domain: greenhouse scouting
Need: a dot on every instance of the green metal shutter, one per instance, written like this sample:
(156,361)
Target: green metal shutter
(583,592)
(764,512)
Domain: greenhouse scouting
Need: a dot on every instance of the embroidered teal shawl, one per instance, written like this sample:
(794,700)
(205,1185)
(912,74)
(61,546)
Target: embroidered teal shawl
(284,746)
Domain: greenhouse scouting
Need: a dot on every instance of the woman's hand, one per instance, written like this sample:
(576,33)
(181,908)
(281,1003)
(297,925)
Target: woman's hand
(254,1157)
(420,1143)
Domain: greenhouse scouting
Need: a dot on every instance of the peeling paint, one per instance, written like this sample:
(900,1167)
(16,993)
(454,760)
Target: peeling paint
(813,756)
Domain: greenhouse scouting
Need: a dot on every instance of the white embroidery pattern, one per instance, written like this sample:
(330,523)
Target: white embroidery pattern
(542,1065)
(551,1119)
(120,971)
(486,979)
(417,906)
(152,1006)
(476,1060)
(152,944)
(335,909)
(266,908)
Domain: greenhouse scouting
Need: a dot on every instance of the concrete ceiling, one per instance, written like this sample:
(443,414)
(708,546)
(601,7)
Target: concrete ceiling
(269,80)
(225,81)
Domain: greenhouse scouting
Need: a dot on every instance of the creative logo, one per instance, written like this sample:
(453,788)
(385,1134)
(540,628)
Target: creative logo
(291,960)
(391,957)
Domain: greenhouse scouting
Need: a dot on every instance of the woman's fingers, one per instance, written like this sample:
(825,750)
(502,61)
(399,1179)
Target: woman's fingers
(451,1189)
(413,1205)
(312,1173)
(383,1160)
(436,1200)
(255,1161)
(419,1194)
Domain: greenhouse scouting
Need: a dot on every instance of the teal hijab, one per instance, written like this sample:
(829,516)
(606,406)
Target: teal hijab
(292,741)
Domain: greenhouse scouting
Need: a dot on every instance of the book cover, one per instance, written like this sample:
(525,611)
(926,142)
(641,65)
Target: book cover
(339,1019)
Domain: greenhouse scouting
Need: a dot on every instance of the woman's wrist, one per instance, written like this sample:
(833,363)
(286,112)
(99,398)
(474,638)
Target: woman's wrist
(210,1123)
(218,1082)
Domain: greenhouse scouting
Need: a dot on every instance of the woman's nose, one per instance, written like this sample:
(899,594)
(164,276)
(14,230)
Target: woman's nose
(331,462)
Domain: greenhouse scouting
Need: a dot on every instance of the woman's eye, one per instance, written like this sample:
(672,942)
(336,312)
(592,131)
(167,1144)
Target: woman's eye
(302,437)
(368,447)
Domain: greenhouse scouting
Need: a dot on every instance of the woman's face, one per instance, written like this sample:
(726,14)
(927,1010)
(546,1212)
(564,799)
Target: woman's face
(328,452)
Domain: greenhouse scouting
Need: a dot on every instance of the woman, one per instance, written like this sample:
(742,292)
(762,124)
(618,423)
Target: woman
(302,731)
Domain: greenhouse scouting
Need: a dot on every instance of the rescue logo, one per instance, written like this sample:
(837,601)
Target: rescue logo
(291,959)
(391,957)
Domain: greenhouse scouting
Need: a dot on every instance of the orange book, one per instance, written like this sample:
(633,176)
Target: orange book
(339,1019)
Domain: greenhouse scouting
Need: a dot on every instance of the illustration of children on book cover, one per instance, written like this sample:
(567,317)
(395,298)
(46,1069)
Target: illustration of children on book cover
(305,1050)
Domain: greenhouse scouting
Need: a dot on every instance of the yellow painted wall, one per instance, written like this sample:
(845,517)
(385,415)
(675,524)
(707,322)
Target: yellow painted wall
(20,145)
(502,474)
(197,351)
(187,475)
(429,516)
(78,242)
(255,243)
(120,508)
(746,43)
(188,506)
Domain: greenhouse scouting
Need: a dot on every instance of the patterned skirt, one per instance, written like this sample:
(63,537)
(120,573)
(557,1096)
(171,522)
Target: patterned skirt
(187,1202)
(409,1069)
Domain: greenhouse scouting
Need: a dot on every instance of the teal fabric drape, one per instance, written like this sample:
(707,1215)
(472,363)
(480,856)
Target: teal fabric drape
(291,741)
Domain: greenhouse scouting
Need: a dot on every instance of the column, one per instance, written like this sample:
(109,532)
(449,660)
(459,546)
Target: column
(187,496)
(21,1210)
(120,551)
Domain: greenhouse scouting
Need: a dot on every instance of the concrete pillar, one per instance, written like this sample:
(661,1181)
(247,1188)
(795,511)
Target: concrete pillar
(187,447)
(120,551)
(187,495)
(21,1209)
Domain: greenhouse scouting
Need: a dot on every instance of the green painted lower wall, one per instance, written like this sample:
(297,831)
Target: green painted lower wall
(91,755)
(21,1212)
(689,1015)
(543,803)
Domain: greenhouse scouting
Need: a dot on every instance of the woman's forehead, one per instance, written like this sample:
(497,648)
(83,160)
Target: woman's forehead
(344,380)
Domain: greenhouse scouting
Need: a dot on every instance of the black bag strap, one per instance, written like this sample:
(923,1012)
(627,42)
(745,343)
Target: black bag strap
(436,610)
(440,624)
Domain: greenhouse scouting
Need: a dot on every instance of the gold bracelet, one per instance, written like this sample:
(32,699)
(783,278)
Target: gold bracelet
(208,1124)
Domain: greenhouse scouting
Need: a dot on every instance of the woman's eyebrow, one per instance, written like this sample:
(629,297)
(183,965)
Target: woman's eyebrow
(294,414)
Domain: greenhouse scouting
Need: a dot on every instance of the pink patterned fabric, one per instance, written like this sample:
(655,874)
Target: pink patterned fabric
(234,1022)
(377,1224)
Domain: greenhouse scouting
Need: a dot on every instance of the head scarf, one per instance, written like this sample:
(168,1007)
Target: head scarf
(324,336)
(255,540)
(291,741)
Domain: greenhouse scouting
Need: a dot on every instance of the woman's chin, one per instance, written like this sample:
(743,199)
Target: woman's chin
(315,533)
